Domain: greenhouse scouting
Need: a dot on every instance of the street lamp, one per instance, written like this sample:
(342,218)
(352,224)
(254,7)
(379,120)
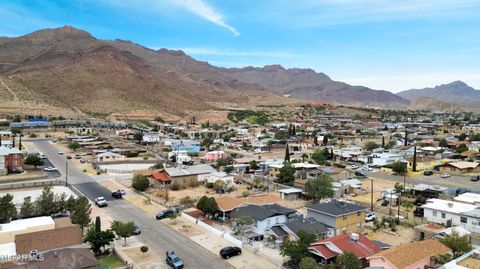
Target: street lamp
(66,173)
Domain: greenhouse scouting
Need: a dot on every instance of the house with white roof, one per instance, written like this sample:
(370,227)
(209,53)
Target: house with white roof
(468,198)
(452,213)
(109,156)
(222,176)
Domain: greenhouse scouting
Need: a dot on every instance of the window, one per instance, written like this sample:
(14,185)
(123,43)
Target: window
(463,219)
(268,222)
(434,213)
(344,216)
(443,215)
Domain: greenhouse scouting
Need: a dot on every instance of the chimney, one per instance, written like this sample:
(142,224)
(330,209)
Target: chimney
(354,237)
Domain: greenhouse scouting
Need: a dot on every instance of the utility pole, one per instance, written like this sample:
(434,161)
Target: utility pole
(371,194)
(398,213)
(66,173)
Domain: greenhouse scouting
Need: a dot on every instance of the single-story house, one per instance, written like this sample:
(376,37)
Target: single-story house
(409,256)
(289,230)
(460,167)
(290,193)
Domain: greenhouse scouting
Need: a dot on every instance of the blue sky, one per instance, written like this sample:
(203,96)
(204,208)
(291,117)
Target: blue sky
(383,44)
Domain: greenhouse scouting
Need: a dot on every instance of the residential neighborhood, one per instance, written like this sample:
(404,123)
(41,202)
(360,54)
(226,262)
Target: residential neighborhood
(282,194)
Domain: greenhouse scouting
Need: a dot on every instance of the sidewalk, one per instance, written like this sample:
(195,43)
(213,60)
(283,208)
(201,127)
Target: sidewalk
(131,254)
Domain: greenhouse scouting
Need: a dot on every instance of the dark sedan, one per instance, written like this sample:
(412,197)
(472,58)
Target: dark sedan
(165,213)
(117,194)
(228,252)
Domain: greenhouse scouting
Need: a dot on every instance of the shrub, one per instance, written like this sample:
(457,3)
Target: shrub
(140,182)
(175,186)
(245,193)
(132,154)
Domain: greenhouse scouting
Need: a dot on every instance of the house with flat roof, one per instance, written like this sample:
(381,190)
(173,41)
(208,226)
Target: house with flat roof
(469,260)
(450,213)
(343,216)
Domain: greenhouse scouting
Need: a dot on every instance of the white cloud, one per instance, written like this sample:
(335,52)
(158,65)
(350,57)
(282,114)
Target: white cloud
(206,11)
(406,81)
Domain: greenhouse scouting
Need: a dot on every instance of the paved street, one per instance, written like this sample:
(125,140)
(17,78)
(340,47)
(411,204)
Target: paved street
(452,182)
(158,236)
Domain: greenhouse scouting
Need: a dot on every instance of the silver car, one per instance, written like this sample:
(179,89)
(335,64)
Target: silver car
(101,202)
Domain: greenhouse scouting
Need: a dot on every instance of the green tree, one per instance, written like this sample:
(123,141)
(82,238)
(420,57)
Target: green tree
(414,164)
(140,182)
(371,146)
(462,137)
(98,239)
(298,249)
(45,203)
(325,140)
(138,136)
(443,143)
(74,146)
(201,202)
(158,165)
(399,167)
(34,160)
(308,263)
(210,206)
(347,260)
(81,212)
(228,169)
(27,209)
(280,135)
(206,142)
(320,156)
(123,229)
(319,188)
(462,148)
(70,205)
(144,249)
(218,185)
(383,141)
(458,244)
(241,223)
(253,165)
(98,224)
(8,210)
(287,155)
(286,174)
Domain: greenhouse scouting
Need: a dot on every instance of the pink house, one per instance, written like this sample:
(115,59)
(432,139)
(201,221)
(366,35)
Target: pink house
(213,156)
(409,256)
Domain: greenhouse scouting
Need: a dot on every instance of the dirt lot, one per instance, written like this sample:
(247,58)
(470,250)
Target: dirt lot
(403,235)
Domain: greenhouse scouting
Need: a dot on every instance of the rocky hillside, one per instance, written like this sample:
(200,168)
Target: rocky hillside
(456,92)
(69,69)
(318,87)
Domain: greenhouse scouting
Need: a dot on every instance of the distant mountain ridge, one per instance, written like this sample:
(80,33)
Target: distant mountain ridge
(455,92)
(69,68)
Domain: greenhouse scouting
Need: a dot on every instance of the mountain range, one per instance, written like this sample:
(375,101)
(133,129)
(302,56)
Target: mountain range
(455,92)
(68,71)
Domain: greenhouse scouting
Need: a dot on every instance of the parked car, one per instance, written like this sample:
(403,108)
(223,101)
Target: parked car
(121,191)
(60,152)
(355,166)
(137,230)
(427,173)
(360,174)
(418,212)
(174,261)
(60,214)
(117,194)
(50,169)
(82,161)
(165,213)
(101,202)
(384,202)
(446,175)
(42,156)
(475,178)
(228,252)
(370,217)
(366,168)
(76,156)
(14,171)
(69,157)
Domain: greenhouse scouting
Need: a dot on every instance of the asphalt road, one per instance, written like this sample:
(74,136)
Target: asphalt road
(453,182)
(155,234)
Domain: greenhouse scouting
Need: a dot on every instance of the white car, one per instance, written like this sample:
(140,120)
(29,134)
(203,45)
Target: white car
(446,175)
(366,168)
(355,166)
(122,192)
(101,202)
(60,152)
(50,169)
(370,217)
